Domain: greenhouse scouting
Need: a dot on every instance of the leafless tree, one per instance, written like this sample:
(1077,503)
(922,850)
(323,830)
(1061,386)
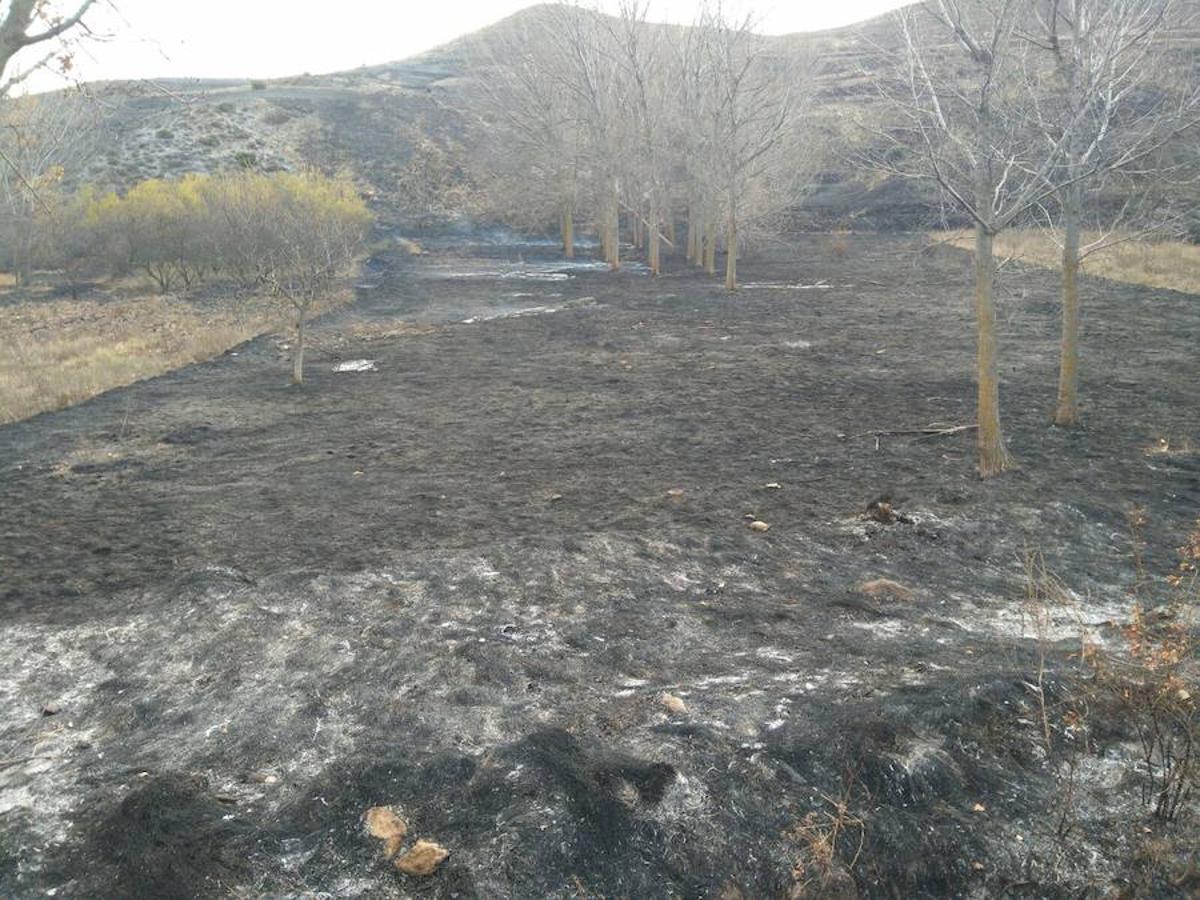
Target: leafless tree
(651,87)
(961,97)
(531,149)
(595,88)
(759,155)
(626,118)
(1119,95)
(45,141)
(30,24)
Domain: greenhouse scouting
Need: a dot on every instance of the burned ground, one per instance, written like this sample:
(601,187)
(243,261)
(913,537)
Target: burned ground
(238,614)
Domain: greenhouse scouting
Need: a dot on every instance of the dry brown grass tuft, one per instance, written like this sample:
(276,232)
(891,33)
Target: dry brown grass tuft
(1166,264)
(839,244)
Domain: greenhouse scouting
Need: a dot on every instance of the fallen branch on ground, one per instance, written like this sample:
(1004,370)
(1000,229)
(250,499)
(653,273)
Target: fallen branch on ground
(928,431)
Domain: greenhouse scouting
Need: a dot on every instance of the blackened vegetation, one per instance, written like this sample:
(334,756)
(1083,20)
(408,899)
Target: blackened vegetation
(460,585)
(169,839)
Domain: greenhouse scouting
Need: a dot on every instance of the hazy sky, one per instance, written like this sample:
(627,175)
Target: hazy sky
(274,38)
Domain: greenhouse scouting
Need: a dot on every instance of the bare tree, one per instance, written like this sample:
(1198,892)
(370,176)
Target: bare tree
(760,157)
(316,228)
(595,87)
(45,141)
(531,151)
(1119,96)
(651,87)
(627,117)
(30,23)
(962,97)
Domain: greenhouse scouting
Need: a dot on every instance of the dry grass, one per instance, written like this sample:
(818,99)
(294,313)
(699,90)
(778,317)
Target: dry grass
(56,353)
(1171,265)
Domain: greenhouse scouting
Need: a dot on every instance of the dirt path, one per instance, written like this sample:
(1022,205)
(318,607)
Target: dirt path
(462,582)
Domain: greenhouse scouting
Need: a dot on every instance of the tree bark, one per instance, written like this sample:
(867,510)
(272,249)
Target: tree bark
(654,250)
(614,235)
(993,457)
(1067,413)
(731,253)
(615,242)
(691,235)
(710,248)
(17,29)
(298,355)
(568,232)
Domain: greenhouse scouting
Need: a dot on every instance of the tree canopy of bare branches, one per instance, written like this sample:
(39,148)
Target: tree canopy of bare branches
(619,118)
(29,24)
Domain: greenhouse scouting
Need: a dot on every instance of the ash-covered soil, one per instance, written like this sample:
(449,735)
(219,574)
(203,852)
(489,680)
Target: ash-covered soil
(505,584)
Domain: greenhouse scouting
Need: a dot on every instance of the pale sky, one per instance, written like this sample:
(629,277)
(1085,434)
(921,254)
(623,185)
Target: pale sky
(277,38)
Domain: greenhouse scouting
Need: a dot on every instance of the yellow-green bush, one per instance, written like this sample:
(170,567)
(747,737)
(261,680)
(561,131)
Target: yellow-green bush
(288,232)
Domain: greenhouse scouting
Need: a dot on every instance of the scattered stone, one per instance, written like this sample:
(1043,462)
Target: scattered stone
(773,486)
(675,492)
(554,498)
(759,526)
(51,709)
(674,704)
(422,859)
(384,824)
(978,808)
(885,588)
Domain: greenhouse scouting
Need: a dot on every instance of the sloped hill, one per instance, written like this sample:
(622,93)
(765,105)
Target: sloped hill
(404,130)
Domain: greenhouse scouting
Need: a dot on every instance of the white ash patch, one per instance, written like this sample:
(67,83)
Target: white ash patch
(774,654)
(1082,619)
(356,365)
(786,286)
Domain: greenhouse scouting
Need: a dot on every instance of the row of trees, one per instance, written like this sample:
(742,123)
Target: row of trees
(609,118)
(1021,111)
(285,235)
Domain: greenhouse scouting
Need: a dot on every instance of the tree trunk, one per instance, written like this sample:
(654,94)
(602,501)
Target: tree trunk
(614,236)
(692,253)
(1068,377)
(568,232)
(654,251)
(731,254)
(298,355)
(993,457)
(711,249)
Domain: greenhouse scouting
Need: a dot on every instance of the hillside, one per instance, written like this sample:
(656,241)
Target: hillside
(372,120)
(404,127)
